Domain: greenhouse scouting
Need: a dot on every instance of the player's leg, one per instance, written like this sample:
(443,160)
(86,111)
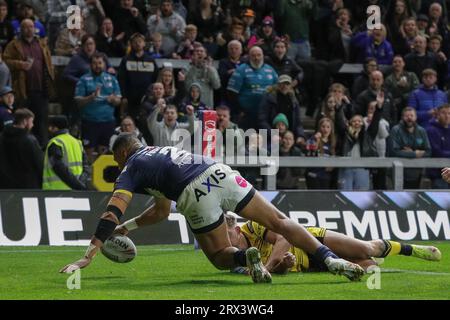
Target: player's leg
(263,212)
(353,249)
(218,249)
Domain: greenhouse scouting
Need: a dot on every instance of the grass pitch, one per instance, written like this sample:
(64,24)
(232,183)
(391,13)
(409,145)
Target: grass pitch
(180,273)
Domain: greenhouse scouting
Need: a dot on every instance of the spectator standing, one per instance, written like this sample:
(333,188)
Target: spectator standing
(339,37)
(163,131)
(68,42)
(264,37)
(409,140)
(247,86)
(5,74)
(373,44)
(321,144)
(283,64)
(209,19)
(288,178)
(6,107)
(400,83)
(128,19)
(376,92)
(439,135)
(201,71)
(185,49)
(97,94)
(228,129)
(281,99)
(26,11)
(111,44)
(21,157)
(361,82)
(357,142)
(294,18)
(228,65)
(65,162)
(127,125)
(169,24)
(136,72)
(6,29)
(427,98)
(29,60)
(420,59)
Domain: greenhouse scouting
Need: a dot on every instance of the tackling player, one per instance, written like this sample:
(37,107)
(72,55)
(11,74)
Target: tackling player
(203,189)
(279,256)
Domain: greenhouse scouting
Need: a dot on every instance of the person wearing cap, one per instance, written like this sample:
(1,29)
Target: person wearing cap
(6,107)
(21,157)
(264,37)
(137,71)
(247,86)
(64,160)
(422,24)
(169,24)
(280,100)
(248,17)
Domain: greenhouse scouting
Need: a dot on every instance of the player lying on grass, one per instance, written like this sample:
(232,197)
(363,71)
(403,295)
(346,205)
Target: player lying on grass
(203,190)
(279,256)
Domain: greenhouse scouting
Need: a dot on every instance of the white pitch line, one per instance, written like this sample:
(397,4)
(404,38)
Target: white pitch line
(431,273)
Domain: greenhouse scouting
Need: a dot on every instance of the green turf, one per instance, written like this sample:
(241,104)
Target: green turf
(179,272)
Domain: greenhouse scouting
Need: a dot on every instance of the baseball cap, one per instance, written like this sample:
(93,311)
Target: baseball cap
(284,78)
(422,17)
(248,13)
(5,90)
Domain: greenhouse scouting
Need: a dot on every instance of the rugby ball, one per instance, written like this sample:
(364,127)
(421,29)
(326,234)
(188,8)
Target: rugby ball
(119,248)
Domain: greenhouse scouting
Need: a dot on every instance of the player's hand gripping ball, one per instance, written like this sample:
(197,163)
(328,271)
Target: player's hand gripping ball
(119,248)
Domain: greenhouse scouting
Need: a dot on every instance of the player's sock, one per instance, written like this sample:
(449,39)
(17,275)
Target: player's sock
(393,248)
(240,259)
(324,252)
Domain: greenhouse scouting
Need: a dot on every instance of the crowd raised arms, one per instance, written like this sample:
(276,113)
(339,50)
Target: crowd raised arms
(327,83)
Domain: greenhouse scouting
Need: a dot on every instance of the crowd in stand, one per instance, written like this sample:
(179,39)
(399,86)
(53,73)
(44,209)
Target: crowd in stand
(261,64)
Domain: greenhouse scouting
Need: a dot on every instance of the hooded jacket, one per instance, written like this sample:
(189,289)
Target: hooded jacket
(21,160)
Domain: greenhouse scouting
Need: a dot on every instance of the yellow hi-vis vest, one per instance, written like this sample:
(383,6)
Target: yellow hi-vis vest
(72,149)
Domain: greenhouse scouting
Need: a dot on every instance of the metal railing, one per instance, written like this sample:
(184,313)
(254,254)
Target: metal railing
(396,164)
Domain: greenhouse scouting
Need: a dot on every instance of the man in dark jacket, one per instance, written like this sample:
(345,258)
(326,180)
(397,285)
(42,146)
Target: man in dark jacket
(136,72)
(420,59)
(282,100)
(376,92)
(439,135)
(128,19)
(21,158)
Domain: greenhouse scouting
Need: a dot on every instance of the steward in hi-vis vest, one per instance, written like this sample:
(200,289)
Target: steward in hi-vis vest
(64,158)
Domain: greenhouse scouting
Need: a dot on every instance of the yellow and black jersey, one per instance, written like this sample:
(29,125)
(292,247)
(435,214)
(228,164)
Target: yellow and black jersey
(255,234)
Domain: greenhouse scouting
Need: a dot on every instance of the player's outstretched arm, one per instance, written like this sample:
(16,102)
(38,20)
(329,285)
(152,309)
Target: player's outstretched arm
(105,228)
(157,212)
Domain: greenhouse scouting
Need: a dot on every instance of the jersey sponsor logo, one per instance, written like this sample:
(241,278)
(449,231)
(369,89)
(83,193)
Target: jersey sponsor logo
(241,181)
(216,177)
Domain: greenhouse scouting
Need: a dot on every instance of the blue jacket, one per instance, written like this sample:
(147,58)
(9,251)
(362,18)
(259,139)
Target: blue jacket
(423,100)
(440,145)
(366,48)
(38,27)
